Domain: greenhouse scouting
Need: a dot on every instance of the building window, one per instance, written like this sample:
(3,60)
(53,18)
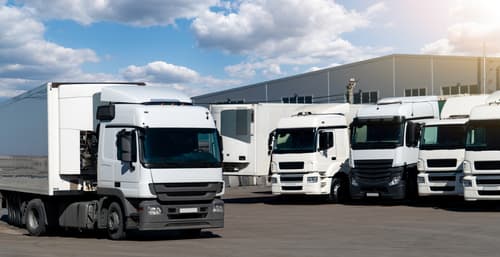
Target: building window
(416,91)
(460,89)
(366,97)
(297,99)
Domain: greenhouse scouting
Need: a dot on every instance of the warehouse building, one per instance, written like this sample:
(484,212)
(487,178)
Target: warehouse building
(392,75)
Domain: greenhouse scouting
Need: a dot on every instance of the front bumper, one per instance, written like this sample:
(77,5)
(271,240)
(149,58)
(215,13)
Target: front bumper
(300,184)
(481,187)
(376,183)
(440,183)
(181,216)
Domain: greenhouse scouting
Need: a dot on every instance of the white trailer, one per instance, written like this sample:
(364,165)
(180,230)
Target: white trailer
(110,156)
(442,148)
(245,131)
(384,152)
(481,164)
(310,152)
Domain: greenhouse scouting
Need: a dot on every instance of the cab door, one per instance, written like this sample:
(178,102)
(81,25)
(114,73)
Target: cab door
(326,148)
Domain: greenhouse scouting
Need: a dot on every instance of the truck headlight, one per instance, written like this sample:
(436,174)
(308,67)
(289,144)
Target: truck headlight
(312,179)
(154,210)
(420,180)
(467,167)
(218,208)
(274,180)
(395,180)
(420,165)
(467,183)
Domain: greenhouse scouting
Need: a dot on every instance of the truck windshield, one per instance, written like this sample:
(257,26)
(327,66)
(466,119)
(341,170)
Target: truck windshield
(299,140)
(377,134)
(483,135)
(180,148)
(442,137)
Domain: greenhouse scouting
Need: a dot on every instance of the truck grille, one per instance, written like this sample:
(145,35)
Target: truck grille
(441,178)
(175,192)
(484,181)
(291,165)
(487,165)
(373,164)
(291,178)
(484,192)
(441,163)
(291,188)
(372,171)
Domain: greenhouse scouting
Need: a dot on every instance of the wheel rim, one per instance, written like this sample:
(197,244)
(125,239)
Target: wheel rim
(32,219)
(113,221)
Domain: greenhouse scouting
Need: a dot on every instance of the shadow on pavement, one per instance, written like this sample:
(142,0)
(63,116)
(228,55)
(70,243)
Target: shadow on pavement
(448,203)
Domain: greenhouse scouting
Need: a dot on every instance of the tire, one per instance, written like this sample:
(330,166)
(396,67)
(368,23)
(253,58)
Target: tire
(14,211)
(36,218)
(115,223)
(339,191)
(10,212)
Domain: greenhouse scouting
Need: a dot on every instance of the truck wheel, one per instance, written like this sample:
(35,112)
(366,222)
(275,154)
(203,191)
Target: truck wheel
(339,191)
(36,217)
(14,212)
(115,222)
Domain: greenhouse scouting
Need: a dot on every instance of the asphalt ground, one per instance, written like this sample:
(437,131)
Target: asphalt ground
(260,224)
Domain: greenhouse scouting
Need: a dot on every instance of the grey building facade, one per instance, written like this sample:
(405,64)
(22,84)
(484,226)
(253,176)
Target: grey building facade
(386,76)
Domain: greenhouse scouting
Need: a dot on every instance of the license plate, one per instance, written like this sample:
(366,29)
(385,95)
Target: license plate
(372,194)
(188,210)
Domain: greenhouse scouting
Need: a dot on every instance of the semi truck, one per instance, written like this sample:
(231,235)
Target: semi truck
(384,152)
(442,148)
(309,152)
(109,156)
(481,164)
(245,130)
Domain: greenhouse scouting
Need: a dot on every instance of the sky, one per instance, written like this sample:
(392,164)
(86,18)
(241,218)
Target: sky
(203,46)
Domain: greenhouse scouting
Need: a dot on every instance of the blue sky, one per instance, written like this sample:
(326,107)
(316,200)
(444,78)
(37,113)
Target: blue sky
(202,46)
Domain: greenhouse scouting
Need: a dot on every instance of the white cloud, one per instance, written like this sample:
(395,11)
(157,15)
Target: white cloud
(272,33)
(178,77)
(475,22)
(24,53)
(133,12)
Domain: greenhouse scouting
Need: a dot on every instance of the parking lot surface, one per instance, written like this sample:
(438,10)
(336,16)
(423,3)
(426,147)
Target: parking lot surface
(259,224)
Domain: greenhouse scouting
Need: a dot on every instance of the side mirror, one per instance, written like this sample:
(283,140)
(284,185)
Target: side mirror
(126,146)
(221,147)
(412,134)
(270,142)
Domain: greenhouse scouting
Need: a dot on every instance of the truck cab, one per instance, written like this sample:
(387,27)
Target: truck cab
(384,150)
(309,153)
(442,148)
(112,156)
(481,164)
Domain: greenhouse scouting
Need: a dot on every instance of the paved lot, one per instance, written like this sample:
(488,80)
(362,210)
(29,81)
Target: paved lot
(258,224)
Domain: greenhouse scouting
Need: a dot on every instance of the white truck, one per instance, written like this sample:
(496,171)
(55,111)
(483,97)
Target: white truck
(109,156)
(245,130)
(384,152)
(310,151)
(442,148)
(481,165)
